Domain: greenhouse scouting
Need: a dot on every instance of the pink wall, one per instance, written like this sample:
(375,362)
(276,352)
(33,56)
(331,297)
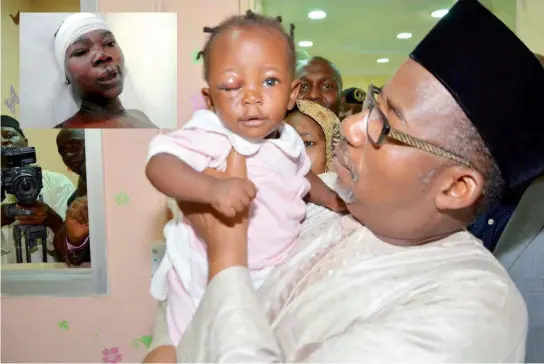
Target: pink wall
(79,330)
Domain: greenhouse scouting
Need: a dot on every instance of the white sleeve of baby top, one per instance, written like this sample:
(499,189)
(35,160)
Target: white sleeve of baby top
(198,148)
(229,324)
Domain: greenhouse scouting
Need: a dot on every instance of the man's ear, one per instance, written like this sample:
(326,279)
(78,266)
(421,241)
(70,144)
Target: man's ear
(295,87)
(207,97)
(25,141)
(460,188)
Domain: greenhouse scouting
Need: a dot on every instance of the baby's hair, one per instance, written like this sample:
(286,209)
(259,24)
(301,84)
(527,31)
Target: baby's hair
(250,19)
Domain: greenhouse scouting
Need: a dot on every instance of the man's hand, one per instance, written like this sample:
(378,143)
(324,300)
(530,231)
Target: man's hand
(77,221)
(41,214)
(226,238)
(6,220)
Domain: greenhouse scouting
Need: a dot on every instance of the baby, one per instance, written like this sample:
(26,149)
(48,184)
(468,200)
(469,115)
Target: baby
(249,65)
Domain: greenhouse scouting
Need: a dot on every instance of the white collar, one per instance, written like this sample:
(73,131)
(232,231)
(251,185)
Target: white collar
(288,141)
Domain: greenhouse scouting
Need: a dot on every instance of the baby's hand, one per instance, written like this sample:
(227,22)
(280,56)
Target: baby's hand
(231,196)
(337,204)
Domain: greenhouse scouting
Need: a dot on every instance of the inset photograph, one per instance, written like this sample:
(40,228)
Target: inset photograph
(86,70)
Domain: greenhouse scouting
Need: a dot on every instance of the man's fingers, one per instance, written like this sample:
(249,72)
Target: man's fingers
(86,216)
(236,165)
(28,220)
(85,213)
(78,216)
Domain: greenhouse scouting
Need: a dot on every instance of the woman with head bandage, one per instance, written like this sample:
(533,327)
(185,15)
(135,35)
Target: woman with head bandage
(94,69)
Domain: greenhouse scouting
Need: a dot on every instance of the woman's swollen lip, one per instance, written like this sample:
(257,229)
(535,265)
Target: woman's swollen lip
(113,79)
(109,75)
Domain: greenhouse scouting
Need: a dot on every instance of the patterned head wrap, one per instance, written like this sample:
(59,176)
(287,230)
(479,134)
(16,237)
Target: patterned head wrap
(329,123)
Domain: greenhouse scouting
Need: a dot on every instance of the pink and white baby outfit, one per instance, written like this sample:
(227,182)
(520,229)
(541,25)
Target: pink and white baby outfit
(277,167)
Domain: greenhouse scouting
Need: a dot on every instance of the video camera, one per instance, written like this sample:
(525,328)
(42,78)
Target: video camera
(19,178)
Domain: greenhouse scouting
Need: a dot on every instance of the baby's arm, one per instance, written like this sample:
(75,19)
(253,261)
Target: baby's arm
(175,178)
(321,194)
(175,168)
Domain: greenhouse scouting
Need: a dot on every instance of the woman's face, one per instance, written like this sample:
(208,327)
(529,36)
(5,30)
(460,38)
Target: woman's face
(95,66)
(313,137)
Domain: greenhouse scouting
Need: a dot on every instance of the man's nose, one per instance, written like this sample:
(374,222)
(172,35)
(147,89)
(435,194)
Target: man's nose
(314,94)
(353,128)
(252,96)
(100,57)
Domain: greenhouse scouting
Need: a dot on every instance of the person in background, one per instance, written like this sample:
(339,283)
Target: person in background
(401,278)
(320,82)
(514,231)
(50,212)
(94,67)
(72,241)
(71,148)
(352,102)
(319,129)
(489,225)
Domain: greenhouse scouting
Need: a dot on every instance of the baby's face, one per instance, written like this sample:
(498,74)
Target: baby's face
(250,81)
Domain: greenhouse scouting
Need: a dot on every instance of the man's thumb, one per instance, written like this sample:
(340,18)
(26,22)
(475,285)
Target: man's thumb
(236,165)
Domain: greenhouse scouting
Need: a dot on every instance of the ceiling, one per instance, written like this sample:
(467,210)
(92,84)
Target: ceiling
(356,33)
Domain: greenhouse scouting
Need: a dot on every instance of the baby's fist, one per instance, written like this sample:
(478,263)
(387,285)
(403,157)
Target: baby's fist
(232,195)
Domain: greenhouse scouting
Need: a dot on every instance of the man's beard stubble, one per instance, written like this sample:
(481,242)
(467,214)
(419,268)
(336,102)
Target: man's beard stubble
(345,192)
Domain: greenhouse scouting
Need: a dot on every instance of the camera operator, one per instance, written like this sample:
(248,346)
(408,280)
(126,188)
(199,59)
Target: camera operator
(72,241)
(48,212)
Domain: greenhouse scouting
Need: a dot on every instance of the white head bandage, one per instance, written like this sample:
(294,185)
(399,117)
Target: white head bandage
(71,29)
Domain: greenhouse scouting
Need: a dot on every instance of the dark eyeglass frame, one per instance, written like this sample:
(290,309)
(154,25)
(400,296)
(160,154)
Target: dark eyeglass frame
(370,104)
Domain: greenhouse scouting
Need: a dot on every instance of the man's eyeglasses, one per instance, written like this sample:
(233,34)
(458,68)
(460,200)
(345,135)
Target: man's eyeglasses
(379,129)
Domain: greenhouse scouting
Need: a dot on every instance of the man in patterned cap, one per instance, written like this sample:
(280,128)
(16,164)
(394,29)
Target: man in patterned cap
(401,279)
(352,102)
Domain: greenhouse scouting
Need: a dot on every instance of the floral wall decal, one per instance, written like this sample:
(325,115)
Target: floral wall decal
(111,355)
(144,340)
(194,56)
(63,325)
(12,100)
(122,199)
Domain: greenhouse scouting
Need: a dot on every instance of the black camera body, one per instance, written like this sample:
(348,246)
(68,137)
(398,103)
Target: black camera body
(19,178)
